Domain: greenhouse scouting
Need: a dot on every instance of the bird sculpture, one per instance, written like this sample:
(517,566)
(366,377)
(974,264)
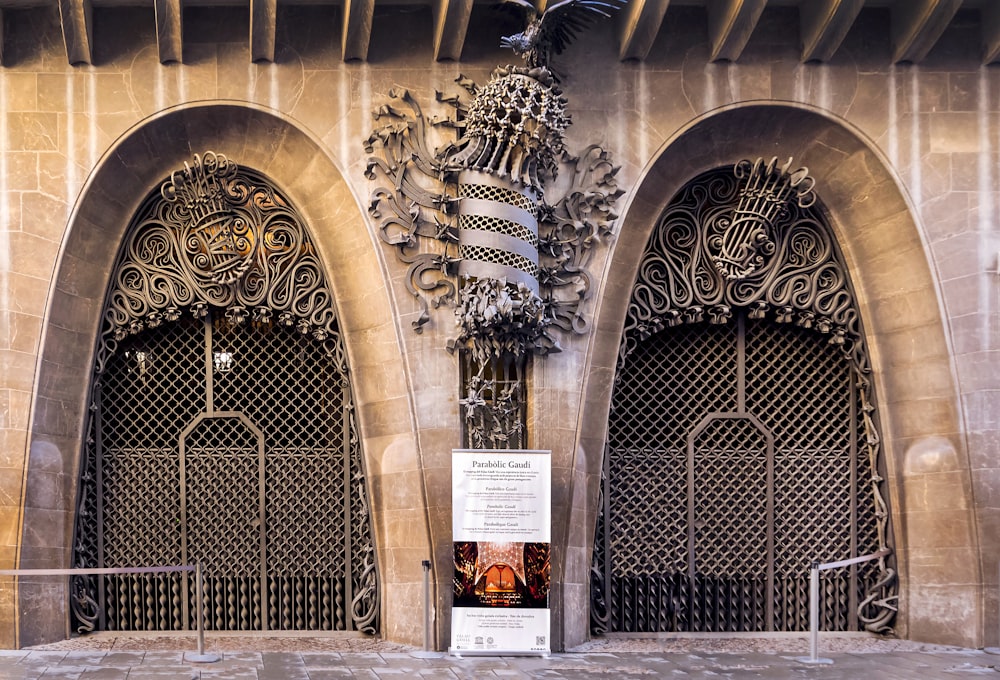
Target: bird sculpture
(551,31)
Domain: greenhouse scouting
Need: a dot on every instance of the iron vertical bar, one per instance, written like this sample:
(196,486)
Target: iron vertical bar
(741,363)
(185,588)
(102,594)
(852,595)
(348,522)
(814,613)
(606,509)
(769,597)
(690,530)
(209,364)
(262,509)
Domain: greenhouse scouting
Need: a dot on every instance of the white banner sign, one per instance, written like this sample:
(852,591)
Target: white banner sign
(501,529)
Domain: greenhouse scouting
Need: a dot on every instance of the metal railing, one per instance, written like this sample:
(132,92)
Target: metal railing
(814,599)
(201,656)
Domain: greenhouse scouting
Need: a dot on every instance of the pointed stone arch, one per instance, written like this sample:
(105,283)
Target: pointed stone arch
(881,241)
(300,165)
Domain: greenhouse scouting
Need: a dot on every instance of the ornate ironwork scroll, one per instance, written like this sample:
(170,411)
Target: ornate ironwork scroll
(765,338)
(417,205)
(221,424)
(476,224)
(217,235)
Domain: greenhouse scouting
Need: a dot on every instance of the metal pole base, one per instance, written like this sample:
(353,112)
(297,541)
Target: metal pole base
(201,658)
(427,654)
(817,660)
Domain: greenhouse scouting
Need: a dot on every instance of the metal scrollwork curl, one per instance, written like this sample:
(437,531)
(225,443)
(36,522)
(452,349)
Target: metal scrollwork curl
(416,204)
(216,234)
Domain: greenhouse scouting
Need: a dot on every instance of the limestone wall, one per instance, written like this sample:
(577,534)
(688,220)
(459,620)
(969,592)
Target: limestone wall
(906,158)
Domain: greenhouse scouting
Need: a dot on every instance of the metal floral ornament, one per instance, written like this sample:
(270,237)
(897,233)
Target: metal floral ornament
(483,208)
(496,318)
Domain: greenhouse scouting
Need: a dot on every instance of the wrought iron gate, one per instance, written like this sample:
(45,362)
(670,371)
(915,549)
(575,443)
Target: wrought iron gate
(742,443)
(222,427)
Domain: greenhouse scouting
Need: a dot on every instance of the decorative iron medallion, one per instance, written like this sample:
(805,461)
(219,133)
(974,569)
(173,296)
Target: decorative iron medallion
(765,191)
(218,235)
(218,241)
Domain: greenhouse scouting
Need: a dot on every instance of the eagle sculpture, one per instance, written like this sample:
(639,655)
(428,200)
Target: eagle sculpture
(551,31)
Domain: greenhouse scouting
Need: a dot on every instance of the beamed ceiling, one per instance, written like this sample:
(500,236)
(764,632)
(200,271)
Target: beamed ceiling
(915,25)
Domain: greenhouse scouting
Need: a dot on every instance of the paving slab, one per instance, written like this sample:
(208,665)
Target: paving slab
(304,658)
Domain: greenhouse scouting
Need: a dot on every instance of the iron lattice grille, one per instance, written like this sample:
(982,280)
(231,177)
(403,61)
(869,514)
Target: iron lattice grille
(263,487)
(493,401)
(710,527)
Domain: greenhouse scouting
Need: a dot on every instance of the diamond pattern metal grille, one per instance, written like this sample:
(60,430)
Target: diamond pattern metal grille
(720,560)
(490,192)
(499,257)
(783,350)
(499,226)
(264,487)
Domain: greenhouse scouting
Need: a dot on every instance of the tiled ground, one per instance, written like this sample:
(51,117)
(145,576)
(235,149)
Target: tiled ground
(122,659)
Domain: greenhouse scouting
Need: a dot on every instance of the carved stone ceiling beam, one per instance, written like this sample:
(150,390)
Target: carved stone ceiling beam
(823,25)
(730,23)
(169,30)
(357,30)
(78,30)
(451,22)
(917,25)
(991,32)
(639,27)
(263,24)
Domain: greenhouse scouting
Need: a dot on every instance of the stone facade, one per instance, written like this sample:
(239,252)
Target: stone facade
(906,159)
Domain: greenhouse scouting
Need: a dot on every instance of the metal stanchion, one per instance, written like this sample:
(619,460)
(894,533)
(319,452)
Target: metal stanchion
(426,652)
(814,602)
(199,594)
(201,656)
(996,650)
(814,617)
(427,604)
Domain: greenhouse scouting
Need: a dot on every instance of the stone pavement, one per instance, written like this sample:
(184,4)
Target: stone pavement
(674,658)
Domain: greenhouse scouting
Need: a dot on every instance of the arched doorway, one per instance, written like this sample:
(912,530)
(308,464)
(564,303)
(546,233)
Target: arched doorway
(743,442)
(221,427)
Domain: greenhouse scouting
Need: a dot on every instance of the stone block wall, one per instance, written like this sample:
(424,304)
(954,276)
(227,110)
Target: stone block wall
(907,159)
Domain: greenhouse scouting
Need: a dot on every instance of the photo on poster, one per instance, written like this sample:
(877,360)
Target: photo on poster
(488,574)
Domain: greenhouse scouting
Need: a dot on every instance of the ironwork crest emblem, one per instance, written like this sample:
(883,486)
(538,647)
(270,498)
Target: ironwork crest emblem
(217,234)
(746,240)
(218,243)
(478,222)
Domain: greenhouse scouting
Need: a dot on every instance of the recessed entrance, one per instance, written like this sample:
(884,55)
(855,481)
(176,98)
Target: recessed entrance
(742,444)
(222,427)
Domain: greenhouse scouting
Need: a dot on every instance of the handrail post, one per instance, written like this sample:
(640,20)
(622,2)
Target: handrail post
(814,613)
(814,617)
(201,656)
(814,570)
(199,608)
(426,652)
(427,604)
